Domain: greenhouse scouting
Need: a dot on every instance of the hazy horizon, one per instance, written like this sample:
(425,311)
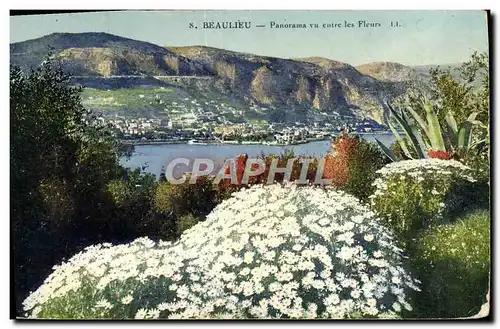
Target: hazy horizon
(426,37)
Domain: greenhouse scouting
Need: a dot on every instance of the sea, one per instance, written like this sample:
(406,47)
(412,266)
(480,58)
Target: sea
(151,158)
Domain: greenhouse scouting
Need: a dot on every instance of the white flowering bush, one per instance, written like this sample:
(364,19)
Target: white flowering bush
(412,195)
(268,252)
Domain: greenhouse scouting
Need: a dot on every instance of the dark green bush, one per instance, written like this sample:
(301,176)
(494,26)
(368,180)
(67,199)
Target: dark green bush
(480,163)
(398,151)
(365,160)
(121,192)
(185,222)
(61,158)
(176,207)
(181,199)
(453,263)
(58,202)
(464,197)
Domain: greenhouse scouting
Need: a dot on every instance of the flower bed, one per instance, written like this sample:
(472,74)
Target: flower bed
(415,194)
(274,251)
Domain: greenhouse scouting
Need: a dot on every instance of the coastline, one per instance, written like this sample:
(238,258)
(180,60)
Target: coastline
(212,142)
(202,143)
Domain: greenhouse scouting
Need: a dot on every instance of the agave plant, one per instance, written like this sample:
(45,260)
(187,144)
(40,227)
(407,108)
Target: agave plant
(461,135)
(454,140)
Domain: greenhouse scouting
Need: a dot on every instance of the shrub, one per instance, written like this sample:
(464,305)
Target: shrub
(273,251)
(226,188)
(453,262)
(58,203)
(128,207)
(415,194)
(352,165)
(363,164)
(181,199)
(185,222)
(337,162)
(480,163)
(177,205)
(120,191)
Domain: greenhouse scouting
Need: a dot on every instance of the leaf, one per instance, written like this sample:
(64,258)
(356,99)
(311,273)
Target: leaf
(435,134)
(451,134)
(478,123)
(400,140)
(464,135)
(387,151)
(418,136)
(409,132)
(472,116)
(452,123)
(419,119)
(422,145)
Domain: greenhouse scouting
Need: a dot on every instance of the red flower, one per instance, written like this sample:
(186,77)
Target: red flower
(443,155)
(337,162)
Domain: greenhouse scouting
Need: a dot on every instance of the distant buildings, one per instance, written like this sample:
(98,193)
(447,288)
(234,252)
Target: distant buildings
(216,119)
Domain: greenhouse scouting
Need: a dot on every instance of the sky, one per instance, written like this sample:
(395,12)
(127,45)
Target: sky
(421,37)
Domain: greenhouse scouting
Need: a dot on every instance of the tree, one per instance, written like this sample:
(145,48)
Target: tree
(465,94)
(462,91)
(61,157)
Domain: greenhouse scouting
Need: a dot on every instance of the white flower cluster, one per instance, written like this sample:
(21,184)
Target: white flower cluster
(419,171)
(419,167)
(268,252)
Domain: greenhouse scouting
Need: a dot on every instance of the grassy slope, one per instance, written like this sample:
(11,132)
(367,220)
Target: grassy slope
(128,101)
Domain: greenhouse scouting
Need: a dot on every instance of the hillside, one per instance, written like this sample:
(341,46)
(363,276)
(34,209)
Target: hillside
(102,54)
(310,83)
(388,71)
(292,89)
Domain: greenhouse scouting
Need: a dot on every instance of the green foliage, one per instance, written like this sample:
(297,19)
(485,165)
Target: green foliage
(60,158)
(411,133)
(388,151)
(58,202)
(432,128)
(431,137)
(363,162)
(133,191)
(142,101)
(460,109)
(453,263)
(461,91)
(186,222)
(398,153)
(179,206)
(480,163)
(120,191)
(182,199)
(413,195)
(468,95)
(133,98)
(67,188)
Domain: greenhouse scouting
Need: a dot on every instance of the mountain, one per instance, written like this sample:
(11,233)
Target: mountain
(423,70)
(388,71)
(101,54)
(306,83)
(292,89)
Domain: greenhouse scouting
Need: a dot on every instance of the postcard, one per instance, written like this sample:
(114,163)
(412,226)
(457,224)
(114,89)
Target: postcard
(250,165)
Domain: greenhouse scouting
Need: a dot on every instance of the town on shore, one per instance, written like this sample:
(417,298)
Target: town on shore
(143,131)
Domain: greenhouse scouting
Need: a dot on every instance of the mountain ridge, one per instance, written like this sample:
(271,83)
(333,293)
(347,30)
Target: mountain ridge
(303,85)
